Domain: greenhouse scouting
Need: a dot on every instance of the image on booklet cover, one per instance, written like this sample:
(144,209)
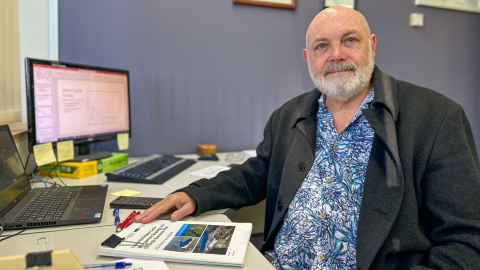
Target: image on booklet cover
(215,240)
(199,238)
(182,244)
(186,238)
(194,230)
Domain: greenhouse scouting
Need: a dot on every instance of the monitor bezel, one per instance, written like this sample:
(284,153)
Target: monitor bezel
(30,89)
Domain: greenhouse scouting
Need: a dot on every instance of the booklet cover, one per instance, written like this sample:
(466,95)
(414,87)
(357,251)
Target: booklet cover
(215,243)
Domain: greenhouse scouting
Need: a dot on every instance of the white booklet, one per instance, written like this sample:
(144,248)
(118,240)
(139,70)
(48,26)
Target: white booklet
(216,243)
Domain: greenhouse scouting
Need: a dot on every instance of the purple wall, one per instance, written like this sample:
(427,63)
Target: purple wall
(212,72)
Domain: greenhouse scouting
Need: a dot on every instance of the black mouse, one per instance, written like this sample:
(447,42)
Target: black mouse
(208,157)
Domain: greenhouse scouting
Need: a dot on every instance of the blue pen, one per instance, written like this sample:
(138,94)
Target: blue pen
(117,217)
(117,265)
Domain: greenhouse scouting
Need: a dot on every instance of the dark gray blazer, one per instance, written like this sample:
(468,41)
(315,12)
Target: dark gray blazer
(421,200)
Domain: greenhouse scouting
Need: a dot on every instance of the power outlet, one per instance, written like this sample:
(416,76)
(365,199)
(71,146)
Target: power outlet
(416,20)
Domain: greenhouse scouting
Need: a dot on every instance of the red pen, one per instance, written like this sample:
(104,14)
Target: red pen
(128,221)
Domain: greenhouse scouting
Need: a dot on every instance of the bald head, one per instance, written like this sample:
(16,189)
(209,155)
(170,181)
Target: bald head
(336,15)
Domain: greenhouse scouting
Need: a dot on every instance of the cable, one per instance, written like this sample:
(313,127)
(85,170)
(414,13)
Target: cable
(56,174)
(54,167)
(60,178)
(40,179)
(10,236)
(36,181)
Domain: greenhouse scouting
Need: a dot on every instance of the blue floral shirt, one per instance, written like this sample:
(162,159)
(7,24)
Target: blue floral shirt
(320,227)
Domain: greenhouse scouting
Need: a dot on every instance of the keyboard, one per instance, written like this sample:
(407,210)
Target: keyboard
(155,169)
(150,167)
(50,204)
(134,202)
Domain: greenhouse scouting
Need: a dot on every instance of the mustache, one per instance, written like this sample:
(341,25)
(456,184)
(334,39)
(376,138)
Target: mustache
(341,66)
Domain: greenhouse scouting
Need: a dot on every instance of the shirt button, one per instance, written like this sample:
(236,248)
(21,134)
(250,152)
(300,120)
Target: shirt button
(329,180)
(327,119)
(323,215)
(321,257)
(301,166)
(334,147)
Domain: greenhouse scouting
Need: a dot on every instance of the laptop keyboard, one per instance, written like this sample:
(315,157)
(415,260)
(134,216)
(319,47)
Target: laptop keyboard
(143,170)
(50,204)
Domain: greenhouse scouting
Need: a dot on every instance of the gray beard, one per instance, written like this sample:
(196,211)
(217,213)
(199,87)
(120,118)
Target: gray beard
(343,87)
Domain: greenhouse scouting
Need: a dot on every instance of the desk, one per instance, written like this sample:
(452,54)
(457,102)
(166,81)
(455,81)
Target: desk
(85,241)
(85,248)
(252,214)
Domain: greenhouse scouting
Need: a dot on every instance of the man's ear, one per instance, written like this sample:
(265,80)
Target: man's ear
(373,38)
(305,55)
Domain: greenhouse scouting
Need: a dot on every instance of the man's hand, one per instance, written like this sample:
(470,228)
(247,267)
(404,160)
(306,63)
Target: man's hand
(180,202)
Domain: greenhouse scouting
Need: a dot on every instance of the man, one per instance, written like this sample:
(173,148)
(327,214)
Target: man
(366,173)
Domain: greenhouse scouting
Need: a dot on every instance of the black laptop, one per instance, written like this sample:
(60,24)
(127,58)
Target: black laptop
(23,207)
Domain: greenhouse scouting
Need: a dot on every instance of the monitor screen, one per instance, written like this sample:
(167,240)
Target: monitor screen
(76,102)
(13,180)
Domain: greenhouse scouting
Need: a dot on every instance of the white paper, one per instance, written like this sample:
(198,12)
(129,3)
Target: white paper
(344,3)
(250,153)
(144,264)
(210,172)
(216,243)
(463,5)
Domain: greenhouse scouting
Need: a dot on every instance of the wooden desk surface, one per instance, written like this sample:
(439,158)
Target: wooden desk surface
(18,129)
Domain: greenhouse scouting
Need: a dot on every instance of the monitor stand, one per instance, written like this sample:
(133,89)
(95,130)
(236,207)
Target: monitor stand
(85,155)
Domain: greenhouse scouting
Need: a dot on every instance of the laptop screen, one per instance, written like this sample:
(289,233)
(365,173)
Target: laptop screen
(13,180)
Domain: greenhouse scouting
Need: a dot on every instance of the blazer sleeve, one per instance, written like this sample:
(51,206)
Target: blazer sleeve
(452,196)
(240,186)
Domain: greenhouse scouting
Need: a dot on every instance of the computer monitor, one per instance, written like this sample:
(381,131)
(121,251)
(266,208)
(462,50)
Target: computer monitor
(76,102)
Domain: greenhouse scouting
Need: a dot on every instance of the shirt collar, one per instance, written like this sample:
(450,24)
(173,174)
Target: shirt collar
(367,102)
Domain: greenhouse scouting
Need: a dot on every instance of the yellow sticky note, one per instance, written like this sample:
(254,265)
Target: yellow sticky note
(44,154)
(125,192)
(65,150)
(122,139)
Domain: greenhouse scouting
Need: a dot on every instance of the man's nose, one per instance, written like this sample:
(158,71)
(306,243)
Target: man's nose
(338,53)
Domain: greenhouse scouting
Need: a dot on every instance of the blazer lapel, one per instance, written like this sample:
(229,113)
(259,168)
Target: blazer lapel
(297,165)
(384,187)
(308,128)
(300,157)
(306,119)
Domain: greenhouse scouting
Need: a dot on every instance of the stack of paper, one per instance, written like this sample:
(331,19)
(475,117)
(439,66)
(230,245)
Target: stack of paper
(250,153)
(210,172)
(215,243)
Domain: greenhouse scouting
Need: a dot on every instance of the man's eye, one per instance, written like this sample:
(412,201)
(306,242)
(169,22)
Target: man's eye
(350,40)
(322,46)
